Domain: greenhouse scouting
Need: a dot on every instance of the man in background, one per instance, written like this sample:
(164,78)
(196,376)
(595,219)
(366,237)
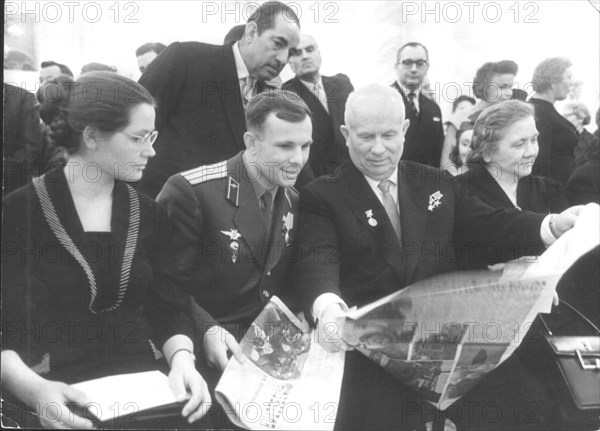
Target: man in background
(425,135)
(326,97)
(147,53)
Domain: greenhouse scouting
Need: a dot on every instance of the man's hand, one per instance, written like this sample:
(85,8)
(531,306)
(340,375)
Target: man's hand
(564,221)
(330,331)
(187,384)
(217,341)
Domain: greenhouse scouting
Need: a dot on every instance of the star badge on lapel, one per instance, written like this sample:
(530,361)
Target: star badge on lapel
(288,225)
(233,235)
(435,200)
(370,219)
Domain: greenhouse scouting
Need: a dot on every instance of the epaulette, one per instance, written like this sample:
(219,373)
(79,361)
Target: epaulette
(206,173)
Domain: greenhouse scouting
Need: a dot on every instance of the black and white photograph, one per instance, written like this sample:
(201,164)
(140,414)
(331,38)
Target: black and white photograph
(171,168)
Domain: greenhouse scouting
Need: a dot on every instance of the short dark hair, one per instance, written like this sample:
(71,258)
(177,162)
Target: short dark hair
(486,73)
(234,34)
(492,124)
(97,67)
(462,98)
(103,100)
(412,45)
(63,68)
(156,47)
(548,72)
(284,104)
(266,14)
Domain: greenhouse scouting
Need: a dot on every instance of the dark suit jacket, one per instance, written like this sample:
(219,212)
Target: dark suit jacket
(343,254)
(557,141)
(22,137)
(200,110)
(207,209)
(328,150)
(425,136)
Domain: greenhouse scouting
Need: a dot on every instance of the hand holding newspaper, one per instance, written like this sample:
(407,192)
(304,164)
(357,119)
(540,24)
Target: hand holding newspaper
(289,381)
(442,335)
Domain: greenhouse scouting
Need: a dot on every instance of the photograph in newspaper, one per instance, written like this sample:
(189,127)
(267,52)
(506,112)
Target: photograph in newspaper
(275,387)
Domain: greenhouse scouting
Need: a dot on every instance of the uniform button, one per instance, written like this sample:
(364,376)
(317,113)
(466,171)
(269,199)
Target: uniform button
(265,293)
(269,274)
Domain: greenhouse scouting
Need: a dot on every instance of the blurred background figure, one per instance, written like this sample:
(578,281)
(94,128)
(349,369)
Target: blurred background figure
(552,80)
(52,69)
(234,34)
(22,135)
(462,102)
(147,53)
(579,116)
(492,84)
(326,97)
(97,67)
(461,150)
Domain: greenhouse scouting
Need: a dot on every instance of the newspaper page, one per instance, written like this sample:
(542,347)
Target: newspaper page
(287,382)
(442,335)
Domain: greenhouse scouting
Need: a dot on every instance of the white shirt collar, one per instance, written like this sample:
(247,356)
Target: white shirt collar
(310,84)
(242,70)
(375,183)
(407,90)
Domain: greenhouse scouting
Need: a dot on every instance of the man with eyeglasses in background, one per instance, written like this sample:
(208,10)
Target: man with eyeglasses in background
(425,135)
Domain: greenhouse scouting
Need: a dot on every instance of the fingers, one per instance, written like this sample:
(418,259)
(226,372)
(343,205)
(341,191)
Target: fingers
(177,384)
(555,299)
(235,348)
(199,401)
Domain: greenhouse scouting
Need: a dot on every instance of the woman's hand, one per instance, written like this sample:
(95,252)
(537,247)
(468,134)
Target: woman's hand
(61,406)
(217,341)
(187,383)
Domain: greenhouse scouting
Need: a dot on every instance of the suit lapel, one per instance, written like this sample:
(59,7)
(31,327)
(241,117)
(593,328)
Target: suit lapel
(383,231)
(413,203)
(225,73)
(247,212)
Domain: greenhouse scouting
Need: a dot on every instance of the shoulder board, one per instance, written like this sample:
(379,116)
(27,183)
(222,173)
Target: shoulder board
(206,173)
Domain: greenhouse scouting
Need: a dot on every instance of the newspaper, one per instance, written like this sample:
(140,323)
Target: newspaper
(440,336)
(289,381)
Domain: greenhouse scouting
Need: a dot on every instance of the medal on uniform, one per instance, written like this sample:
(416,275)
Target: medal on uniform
(288,225)
(233,235)
(435,200)
(370,219)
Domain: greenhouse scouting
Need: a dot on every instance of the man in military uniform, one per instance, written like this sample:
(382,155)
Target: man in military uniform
(235,221)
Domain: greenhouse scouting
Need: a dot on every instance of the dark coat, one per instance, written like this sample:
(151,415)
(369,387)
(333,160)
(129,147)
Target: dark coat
(207,207)
(424,138)
(200,115)
(328,149)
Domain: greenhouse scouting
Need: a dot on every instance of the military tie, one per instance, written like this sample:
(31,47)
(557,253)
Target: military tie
(266,208)
(390,206)
(414,112)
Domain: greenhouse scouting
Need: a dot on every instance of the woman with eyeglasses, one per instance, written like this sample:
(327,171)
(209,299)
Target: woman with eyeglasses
(492,84)
(80,299)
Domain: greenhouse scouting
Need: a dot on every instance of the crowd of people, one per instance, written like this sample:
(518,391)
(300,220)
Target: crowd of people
(165,214)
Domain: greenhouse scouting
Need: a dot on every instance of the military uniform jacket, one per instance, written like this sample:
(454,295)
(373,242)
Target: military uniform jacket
(223,252)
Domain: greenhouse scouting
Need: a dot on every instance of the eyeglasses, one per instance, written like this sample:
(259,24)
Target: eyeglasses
(407,64)
(148,137)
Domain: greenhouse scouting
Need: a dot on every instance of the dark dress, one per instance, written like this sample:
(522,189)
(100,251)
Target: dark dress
(50,317)
(557,141)
(521,399)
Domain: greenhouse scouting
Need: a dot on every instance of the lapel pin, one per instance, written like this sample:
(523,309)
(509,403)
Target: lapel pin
(370,219)
(233,235)
(435,200)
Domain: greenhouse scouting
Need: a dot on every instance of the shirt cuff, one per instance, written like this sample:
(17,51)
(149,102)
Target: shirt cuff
(547,238)
(325,300)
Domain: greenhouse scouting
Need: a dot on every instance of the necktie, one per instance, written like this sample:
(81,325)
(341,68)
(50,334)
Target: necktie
(247,87)
(320,94)
(411,104)
(266,207)
(390,206)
